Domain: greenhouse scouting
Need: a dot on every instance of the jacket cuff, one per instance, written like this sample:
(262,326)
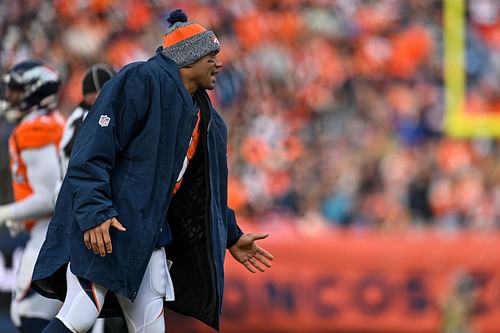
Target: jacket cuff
(233,229)
(90,221)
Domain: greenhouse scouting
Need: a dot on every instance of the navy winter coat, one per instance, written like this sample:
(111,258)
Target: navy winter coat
(124,164)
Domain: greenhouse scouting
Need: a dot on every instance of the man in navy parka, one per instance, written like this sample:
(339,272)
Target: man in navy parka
(147,175)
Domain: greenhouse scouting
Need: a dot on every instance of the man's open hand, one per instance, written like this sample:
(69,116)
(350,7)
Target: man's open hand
(98,238)
(248,253)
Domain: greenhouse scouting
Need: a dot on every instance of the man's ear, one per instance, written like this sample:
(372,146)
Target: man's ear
(188,66)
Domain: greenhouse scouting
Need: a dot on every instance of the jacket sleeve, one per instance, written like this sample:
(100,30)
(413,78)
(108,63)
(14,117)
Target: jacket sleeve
(233,230)
(111,124)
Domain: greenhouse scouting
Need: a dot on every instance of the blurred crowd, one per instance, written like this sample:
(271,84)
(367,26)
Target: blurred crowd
(335,107)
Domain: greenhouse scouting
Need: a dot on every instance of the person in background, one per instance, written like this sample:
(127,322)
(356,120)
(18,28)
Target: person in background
(32,88)
(457,308)
(147,181)
(6,127)
(93,79)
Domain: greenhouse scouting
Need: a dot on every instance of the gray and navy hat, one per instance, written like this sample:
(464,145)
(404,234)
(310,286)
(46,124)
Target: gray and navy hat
(186,42)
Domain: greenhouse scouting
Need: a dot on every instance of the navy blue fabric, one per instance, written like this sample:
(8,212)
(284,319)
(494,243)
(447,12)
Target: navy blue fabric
(33,325)
(127,169)
(55,326)
(165,238)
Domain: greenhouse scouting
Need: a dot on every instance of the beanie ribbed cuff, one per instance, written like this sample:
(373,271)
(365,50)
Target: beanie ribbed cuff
(192,49)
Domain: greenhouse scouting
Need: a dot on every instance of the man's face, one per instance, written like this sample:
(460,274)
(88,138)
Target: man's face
(14,96)
(204,71)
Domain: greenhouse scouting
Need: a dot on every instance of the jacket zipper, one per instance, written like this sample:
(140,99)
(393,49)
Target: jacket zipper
(171,187)
(215,302)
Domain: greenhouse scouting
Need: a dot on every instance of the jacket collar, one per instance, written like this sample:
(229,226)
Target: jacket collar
(170,67)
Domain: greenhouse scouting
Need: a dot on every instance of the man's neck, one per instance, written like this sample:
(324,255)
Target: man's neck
(190,86)
(187,80)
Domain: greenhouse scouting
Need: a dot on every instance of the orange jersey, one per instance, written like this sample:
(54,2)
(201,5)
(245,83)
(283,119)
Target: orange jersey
(190,153)
(31,133)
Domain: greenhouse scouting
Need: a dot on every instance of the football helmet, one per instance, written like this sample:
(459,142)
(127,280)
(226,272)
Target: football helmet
(30,84)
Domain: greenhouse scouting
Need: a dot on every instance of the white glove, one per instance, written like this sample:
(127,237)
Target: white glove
(5,214)
(15,227)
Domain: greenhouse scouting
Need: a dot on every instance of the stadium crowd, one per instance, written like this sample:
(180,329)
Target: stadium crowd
(335,107)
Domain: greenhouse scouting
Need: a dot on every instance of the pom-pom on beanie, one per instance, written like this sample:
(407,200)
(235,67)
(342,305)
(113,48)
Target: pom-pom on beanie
(186,42)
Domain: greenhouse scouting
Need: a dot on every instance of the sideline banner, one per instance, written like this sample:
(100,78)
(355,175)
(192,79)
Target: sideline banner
(359,282)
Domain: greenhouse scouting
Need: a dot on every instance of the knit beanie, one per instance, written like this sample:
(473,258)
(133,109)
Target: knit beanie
(186,42)
(95,77)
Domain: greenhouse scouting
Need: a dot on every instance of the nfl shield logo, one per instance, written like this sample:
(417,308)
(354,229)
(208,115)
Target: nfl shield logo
(104,120)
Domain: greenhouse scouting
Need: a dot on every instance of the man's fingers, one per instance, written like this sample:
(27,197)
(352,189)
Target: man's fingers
(259,236)
(104,240)
(264,253)
(256,264)
(249,267)
(107,243)
(117,225)
(98,238)
(107,238)
(86,239)
(262,259)
(100,243)
(93,242)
